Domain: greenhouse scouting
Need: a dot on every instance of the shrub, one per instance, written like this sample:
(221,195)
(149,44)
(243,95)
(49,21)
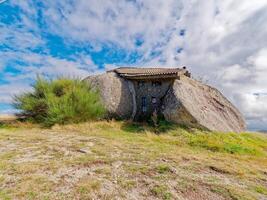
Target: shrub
(60,101)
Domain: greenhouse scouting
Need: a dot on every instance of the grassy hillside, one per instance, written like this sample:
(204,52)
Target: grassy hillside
(116,160)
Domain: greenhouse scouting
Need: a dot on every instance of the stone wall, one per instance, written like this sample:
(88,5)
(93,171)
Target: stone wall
(149,90)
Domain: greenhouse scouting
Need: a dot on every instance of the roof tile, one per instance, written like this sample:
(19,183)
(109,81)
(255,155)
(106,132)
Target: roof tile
(144,72)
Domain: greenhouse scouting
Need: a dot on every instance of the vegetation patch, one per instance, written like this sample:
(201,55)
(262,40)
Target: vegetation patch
(185,184)
(219,170)
(127,184)
(4,195)
(133,127)
(89,185)
(232,192)
(60,101)
(227,142)
(164,126)
(163,169)
(161,191)
(260,189)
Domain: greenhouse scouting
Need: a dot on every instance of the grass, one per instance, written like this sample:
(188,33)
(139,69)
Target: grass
(232,143)
(119,160)
(260,189)
(163,168)
(161,191)
(88,185)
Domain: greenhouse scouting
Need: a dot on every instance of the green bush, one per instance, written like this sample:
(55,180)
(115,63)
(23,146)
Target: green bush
(60,101)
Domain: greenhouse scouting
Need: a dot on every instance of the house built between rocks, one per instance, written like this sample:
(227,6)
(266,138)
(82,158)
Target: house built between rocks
(139,93)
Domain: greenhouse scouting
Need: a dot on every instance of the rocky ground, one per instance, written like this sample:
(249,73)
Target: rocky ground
(115,160)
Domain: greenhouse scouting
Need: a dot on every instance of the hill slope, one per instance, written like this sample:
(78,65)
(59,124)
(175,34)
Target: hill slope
(116,160)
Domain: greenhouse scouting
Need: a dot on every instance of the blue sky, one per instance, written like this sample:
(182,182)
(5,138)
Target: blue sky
(223,43)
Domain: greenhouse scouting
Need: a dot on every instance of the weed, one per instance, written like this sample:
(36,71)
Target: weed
(4,195)
(185,184)
(137,169)
(161,191)
(162,169)
(261,189)
(232,192)
(127,184)
(133,127)
(164,126)
(86,187)
(31,195)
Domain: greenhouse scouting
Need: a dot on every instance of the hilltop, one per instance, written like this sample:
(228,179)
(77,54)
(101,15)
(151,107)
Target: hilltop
(119,160)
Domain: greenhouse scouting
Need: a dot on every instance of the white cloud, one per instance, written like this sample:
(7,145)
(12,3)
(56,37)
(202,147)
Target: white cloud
(246,85)
(44,65)
(7,91)
(116,21)
(2,1)
(255,109)
(259,61)
(48,65)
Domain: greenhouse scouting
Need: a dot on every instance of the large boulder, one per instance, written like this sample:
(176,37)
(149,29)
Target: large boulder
(114,93)
(193,103)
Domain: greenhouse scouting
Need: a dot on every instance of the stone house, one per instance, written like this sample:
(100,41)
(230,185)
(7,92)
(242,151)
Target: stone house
(138,93)
(148,88)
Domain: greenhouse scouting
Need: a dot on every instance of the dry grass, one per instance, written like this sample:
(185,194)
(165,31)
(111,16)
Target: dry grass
(116,160)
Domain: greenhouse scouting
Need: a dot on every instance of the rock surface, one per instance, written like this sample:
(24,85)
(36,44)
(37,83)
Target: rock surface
(115,94)
(193,103)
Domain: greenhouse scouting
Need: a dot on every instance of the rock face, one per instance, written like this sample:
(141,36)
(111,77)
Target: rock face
(193,103)
(187,101)
(115,94)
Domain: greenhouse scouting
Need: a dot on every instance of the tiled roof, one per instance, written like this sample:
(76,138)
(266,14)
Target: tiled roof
(131,72)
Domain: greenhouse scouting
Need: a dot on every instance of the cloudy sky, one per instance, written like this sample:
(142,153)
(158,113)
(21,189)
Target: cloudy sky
(223,43)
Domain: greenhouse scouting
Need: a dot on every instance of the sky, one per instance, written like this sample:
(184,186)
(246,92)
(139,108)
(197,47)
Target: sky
(222,43)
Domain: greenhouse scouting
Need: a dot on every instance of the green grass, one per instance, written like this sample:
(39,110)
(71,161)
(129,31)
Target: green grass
(162,169)
(60,101)
(232,143)
(260,189)
(4,195)
(161,191)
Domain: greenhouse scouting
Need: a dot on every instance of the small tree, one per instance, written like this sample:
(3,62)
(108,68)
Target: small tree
(60,101)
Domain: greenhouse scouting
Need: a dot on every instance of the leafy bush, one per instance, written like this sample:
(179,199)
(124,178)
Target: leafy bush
(59,101)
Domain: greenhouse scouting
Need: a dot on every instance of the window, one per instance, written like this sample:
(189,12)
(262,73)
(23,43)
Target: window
(141,83)
(156,83)
(154,100)
(144,108)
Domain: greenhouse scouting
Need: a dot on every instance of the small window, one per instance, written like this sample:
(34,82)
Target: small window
(156,83)
(153,100)
(141,83)
(144,108)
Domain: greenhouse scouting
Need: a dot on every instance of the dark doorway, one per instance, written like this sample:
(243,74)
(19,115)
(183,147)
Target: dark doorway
(144,105)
